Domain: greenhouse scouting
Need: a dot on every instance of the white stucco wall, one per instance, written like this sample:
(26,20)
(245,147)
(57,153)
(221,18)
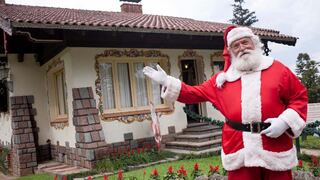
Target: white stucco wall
(84,75)
(28,79)
(5,129)
(79,63)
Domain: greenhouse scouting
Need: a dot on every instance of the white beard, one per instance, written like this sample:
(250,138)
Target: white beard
(247,60)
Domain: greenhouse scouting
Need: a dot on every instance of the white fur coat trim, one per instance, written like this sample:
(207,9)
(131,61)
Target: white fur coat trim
(172,90)
(294,121)
(276,161)
(233,74)
(253,154)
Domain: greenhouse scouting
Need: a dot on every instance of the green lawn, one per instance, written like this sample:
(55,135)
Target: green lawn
(312,142)
(162,168)
(37,177)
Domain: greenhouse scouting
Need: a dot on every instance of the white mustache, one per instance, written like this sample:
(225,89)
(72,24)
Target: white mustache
(244,52)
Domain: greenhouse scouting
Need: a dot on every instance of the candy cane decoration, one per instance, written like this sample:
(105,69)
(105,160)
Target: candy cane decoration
(155,125)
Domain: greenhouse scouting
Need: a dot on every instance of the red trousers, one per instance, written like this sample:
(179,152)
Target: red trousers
(258,173)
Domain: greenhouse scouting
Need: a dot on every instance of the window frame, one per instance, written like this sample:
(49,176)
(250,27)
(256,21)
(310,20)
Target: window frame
(135,109)
(52,74)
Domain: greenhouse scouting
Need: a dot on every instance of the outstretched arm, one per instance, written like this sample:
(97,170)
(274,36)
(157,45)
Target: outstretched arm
(173,89)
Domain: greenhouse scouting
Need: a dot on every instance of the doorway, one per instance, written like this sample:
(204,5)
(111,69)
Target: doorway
(190,77)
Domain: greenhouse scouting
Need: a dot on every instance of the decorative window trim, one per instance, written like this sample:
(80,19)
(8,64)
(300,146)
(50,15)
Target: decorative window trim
(216,56)
(134,113)
(191,54)
(57,121)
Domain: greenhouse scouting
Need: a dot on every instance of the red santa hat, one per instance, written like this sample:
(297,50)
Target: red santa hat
(231,34)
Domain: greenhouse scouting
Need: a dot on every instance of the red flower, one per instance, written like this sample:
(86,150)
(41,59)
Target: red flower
(214,168)
(170,170)
(300,163)
(155,172)
(315,161)
(182,171)
(196,167)
(120,174)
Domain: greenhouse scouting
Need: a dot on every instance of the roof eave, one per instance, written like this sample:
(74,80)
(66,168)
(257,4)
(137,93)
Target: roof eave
(291,41)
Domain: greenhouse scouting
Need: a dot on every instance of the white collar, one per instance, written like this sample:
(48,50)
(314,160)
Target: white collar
(233,74)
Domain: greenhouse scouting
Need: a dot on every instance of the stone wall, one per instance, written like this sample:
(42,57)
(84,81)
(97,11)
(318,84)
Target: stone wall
(23,127)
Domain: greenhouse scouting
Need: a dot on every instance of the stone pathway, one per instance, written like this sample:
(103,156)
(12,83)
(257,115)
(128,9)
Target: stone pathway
(315,152)
(5,177)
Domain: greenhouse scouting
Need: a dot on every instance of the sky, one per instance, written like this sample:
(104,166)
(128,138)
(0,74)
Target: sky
(298,18)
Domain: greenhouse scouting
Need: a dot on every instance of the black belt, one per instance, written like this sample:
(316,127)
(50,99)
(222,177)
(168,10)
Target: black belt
(253,127)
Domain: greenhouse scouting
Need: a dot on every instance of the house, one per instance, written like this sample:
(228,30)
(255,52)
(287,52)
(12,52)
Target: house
(72,86)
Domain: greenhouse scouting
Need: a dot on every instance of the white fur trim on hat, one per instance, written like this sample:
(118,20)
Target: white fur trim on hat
(238,33)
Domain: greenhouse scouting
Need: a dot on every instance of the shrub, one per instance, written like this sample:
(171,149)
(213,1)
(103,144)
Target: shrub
(3,160)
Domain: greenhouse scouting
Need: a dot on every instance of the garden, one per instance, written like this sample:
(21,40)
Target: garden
(150,164)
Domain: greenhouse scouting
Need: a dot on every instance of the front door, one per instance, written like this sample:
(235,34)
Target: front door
(189,76)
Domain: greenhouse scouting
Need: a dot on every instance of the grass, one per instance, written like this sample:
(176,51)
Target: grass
(163,168)
(42,176)
(312,142)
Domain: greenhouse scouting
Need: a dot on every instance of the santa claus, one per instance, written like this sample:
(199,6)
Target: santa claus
(263,101)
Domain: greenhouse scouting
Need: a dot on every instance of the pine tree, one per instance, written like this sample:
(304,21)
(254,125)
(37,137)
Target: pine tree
(242,16)
(308,72)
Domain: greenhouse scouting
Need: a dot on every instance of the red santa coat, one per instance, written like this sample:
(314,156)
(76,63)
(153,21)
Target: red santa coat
(269,92)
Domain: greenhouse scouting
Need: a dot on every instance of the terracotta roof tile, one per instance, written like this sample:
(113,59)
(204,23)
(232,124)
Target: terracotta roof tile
(34,15)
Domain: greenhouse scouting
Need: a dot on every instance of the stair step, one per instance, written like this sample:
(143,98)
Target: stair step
(198,137)
(194,146)
(190,125)
(59,169)
(201,129)
(183,151)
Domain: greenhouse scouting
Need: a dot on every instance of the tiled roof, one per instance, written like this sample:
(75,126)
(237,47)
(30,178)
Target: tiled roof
(49,17)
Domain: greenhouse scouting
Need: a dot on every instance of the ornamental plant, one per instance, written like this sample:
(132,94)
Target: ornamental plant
(300,165)
(314,166)
(182,173)
(171,175)
(196,171)
(213,170)
(120,174)
(154,175)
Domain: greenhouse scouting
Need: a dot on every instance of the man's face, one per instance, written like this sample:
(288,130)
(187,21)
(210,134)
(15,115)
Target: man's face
(239,46)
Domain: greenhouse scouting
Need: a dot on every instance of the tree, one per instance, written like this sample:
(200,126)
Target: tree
(242,16)
(308,72)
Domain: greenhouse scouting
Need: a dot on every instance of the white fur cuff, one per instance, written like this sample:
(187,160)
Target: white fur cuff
(294,121)
(172,90)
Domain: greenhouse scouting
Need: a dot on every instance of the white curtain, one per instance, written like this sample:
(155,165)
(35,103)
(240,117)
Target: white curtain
(141,91)
(61,93)
(124,85)
(156,89)
(107,86)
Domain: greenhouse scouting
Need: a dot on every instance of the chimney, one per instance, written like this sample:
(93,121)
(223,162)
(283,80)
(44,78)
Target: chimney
(2,2)
(130,8)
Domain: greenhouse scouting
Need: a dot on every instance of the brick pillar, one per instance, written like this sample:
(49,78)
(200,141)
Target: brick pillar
(89,134)
(23,146)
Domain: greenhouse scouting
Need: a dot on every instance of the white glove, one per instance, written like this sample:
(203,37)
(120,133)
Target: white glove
(159,75)
(277,127)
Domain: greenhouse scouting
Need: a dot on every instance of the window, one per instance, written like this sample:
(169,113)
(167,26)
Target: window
(217,66)
(125,90)
(3,96)
(57,93)
(60,91)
